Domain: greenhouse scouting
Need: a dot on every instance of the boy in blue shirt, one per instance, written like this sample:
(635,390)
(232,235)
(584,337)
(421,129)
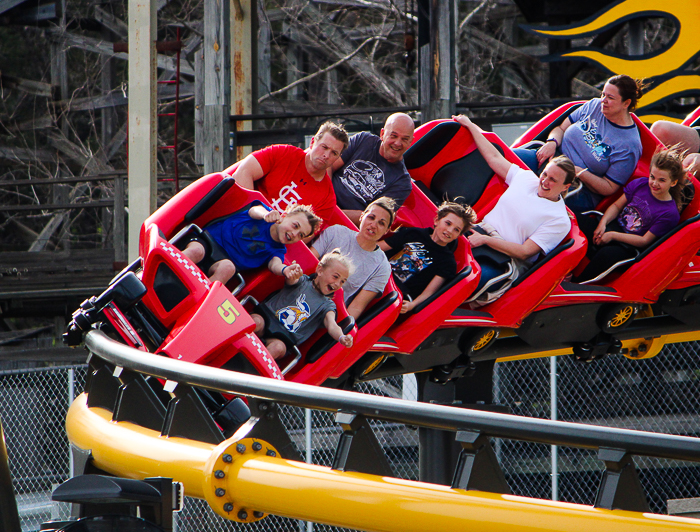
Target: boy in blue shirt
(253,238)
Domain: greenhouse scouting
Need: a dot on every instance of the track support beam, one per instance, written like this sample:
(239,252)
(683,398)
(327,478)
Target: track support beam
(620,488)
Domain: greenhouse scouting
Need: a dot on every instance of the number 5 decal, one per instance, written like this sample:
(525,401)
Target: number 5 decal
(228,312)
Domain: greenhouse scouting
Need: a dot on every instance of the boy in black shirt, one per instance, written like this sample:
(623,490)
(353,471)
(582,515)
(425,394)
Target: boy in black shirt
(422,260)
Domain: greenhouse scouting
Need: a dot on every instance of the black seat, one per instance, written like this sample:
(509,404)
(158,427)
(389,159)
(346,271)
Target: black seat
(664,238)
(430,144)
(463,180)
(625,264)
(381,305)
(325,342)
(466,271)
(210,198)
(544,134)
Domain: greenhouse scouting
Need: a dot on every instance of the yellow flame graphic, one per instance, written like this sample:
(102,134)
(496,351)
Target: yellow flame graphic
(685,46)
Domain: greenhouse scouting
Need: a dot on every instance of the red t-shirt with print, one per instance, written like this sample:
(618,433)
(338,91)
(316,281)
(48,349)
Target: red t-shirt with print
(287,182)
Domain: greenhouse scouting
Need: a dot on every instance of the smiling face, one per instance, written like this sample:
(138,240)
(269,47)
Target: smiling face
(396,136)
(660,183)
(292,228)
(612,104)
(331,277)
(374,223)
(324,152)
(447,229)
(552,182)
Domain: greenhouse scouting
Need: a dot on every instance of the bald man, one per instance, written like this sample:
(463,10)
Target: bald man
(372,166)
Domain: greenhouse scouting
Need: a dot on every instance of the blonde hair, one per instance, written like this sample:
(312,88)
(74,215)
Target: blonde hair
(337,255)
(306,210)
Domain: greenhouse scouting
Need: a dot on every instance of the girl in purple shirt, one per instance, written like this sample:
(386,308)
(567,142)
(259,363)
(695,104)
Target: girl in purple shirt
(647,210)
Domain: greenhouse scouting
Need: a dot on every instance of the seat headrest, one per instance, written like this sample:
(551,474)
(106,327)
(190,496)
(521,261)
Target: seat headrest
(463,180)
(430,144)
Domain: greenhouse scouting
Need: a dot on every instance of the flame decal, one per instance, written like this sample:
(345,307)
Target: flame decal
(662,63)
(686,14)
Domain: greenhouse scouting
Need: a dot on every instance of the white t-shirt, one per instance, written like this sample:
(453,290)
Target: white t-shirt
(521,214)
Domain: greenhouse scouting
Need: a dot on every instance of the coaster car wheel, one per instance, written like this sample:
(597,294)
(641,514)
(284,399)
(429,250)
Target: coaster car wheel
(369,362)
(479,341)
(616,317)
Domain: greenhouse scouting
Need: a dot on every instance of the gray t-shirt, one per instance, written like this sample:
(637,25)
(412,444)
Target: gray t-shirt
(366,175)
(606,149)
(300,308)
(372,268)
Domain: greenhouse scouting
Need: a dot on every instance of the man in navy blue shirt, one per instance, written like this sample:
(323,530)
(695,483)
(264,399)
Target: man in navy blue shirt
(372,166)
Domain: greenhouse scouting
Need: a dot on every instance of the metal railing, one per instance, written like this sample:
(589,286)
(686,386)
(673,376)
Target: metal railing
(395,410)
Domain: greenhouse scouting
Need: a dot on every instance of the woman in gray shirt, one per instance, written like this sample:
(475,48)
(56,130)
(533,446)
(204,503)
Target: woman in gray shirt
(372,267)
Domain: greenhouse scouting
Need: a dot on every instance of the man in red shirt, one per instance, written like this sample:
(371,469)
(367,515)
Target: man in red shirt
(287,175)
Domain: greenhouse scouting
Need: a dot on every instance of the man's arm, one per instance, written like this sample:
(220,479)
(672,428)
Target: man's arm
(518,251)
(359,304)
(337,164)
(248,172)
(353,215)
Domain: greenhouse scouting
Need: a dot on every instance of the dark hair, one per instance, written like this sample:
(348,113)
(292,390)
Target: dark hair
(306,210)
(337,131)
(465,212)
(671,161)
(629,88)
(563,162)
(386,203)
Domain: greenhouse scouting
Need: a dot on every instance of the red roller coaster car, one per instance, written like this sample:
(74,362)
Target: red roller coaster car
(163,303)
(590,318)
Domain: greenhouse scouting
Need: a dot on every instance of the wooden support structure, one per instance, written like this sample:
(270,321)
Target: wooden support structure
(264,66)
(243,50)
(437,21)
(142,117)
(217,86)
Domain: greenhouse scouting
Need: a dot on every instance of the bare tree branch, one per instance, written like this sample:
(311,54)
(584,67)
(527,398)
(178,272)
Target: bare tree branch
(322,71)
(471,15)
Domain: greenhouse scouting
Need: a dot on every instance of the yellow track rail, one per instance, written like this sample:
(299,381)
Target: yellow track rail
(638,348)
(245,479)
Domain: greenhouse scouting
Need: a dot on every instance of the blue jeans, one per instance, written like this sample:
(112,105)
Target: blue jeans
(582,201)
(488,272)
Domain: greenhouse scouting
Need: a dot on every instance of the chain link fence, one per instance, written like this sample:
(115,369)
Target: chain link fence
(660,394)
(33,405)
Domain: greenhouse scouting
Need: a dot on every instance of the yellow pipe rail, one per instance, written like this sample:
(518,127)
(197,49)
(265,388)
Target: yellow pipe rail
(644,347)
(244,479)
